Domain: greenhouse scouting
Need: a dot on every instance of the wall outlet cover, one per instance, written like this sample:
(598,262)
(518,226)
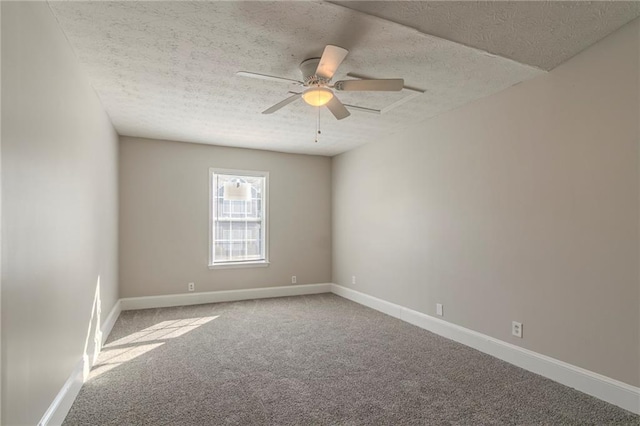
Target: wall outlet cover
(439,309)
(516,329)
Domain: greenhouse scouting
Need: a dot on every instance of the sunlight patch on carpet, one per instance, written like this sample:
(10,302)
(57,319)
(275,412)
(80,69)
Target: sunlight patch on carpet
(139,343)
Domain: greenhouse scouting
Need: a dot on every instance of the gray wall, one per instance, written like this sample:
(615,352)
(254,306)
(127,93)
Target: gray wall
(522,206)
(164,217)
(0,221)
(59,217)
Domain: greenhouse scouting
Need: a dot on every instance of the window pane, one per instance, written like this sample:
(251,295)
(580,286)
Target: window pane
(238,233)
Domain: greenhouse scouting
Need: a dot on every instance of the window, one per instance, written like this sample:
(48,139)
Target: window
(238,220)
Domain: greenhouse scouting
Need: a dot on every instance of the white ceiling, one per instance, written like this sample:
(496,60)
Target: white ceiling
(165,70)
(539,33)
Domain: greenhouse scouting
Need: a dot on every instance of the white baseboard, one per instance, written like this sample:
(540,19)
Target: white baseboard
(185,299)
(61,404)
(109,322)
(594,384)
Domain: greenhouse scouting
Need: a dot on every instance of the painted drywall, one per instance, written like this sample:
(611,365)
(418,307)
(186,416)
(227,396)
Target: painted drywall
(0,221)
(59,212)
(522,206)
(164,217)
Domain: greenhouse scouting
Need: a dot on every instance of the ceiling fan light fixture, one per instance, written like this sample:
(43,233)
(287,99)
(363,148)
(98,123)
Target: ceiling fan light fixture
(317,96)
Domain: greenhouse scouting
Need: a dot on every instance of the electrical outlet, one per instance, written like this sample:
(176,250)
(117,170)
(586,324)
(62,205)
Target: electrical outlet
(439,310)
(192,287)
(353,279)
(293,279)
(516,329)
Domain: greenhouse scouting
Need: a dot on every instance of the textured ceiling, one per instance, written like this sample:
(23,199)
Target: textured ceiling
(166,70)
(539,33)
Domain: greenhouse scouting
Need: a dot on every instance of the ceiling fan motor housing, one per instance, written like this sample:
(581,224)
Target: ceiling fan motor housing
(308,69)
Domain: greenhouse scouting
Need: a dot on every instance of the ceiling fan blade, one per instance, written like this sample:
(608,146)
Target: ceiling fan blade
(331,59)
(267,77)
(388,85)
(337,108)
(281,104)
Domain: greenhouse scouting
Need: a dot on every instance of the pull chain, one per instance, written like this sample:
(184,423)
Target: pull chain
(318,126)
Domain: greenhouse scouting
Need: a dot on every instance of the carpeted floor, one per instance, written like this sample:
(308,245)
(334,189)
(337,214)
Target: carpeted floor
(311,360)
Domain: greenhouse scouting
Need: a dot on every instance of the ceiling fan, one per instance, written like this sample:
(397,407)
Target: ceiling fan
(316,78)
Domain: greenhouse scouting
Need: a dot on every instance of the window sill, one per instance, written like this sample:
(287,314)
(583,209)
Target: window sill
(234,265)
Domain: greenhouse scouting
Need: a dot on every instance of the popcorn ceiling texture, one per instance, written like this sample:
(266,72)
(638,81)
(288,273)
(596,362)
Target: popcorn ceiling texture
(165,70)
(539,33)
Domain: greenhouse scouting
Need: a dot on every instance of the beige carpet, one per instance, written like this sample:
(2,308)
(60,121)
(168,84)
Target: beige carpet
(311,360)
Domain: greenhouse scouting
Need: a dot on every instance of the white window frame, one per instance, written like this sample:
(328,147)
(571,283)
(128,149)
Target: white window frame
(265,220)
